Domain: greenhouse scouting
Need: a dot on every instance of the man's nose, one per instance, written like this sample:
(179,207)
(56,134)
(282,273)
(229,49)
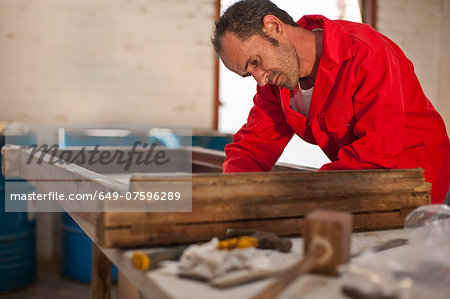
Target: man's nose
(260,76)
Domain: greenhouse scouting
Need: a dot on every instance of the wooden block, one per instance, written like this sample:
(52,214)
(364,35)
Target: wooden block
(330,229)
(327,245)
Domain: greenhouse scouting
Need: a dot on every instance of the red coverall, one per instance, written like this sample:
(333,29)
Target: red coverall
(367,110)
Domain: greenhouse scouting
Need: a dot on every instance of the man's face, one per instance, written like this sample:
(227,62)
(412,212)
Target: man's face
(258,57)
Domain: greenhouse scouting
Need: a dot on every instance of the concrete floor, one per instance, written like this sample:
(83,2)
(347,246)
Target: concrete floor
(50,284)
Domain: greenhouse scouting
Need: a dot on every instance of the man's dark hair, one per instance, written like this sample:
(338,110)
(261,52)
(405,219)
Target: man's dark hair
(245,19)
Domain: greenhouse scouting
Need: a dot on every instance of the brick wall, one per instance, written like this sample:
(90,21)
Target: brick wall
(107,61)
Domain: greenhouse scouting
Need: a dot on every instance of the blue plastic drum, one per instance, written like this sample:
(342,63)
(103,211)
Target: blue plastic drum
(17,237)
(77,252)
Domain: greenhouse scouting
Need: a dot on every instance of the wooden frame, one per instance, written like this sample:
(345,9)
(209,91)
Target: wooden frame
(273,201)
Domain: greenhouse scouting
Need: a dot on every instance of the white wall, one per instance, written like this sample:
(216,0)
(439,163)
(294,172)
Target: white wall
(138,61)
(444,88)
(107,61)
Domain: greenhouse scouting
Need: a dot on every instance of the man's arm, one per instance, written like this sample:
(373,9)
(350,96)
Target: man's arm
(260,142)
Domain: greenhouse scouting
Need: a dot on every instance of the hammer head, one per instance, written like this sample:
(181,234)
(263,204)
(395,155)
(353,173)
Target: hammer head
(332,230)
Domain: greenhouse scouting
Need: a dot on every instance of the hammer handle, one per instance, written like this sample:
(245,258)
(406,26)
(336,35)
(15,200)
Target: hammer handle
(303,266)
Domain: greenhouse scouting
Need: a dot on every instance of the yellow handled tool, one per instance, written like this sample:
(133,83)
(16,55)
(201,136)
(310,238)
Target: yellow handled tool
(239,242)
(259,239)
(146,261)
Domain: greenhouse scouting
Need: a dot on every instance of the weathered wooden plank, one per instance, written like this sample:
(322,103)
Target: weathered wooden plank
(209,156)
(172,234)
(214,189)
(273,202)
(59,178)
(205,167)
(274,209)
(218,157)
(378,221)
(167,233)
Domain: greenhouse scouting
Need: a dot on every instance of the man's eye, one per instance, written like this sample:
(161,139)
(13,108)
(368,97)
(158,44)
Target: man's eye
(255,62)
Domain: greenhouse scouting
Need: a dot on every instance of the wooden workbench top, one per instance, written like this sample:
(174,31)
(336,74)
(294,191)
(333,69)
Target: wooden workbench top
(157,285)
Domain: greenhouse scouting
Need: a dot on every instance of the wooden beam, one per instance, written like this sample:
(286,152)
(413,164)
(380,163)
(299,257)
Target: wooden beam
(101,274)
(169,234)
(125,289)
(369,12)
(260,210)
(217,103)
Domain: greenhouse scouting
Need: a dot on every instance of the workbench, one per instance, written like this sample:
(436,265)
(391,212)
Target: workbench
(378,199)
(156,285)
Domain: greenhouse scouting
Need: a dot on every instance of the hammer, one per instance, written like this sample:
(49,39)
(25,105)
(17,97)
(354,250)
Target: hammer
(326,240)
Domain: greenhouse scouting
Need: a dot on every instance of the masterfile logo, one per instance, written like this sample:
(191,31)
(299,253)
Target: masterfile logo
(84,168)
(147,155)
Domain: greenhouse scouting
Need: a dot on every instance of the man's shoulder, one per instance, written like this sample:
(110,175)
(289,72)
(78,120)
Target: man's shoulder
(364,36)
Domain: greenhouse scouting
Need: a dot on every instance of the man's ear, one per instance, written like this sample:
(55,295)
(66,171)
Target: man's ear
(272,25)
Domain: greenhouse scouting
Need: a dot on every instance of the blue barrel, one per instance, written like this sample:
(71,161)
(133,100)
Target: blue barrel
(76,245)
(17,237)
(17,251)
(77,252)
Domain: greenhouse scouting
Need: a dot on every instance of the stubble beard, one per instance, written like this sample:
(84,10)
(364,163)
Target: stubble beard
(291,65)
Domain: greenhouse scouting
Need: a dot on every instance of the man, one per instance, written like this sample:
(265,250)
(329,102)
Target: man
(338,84)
